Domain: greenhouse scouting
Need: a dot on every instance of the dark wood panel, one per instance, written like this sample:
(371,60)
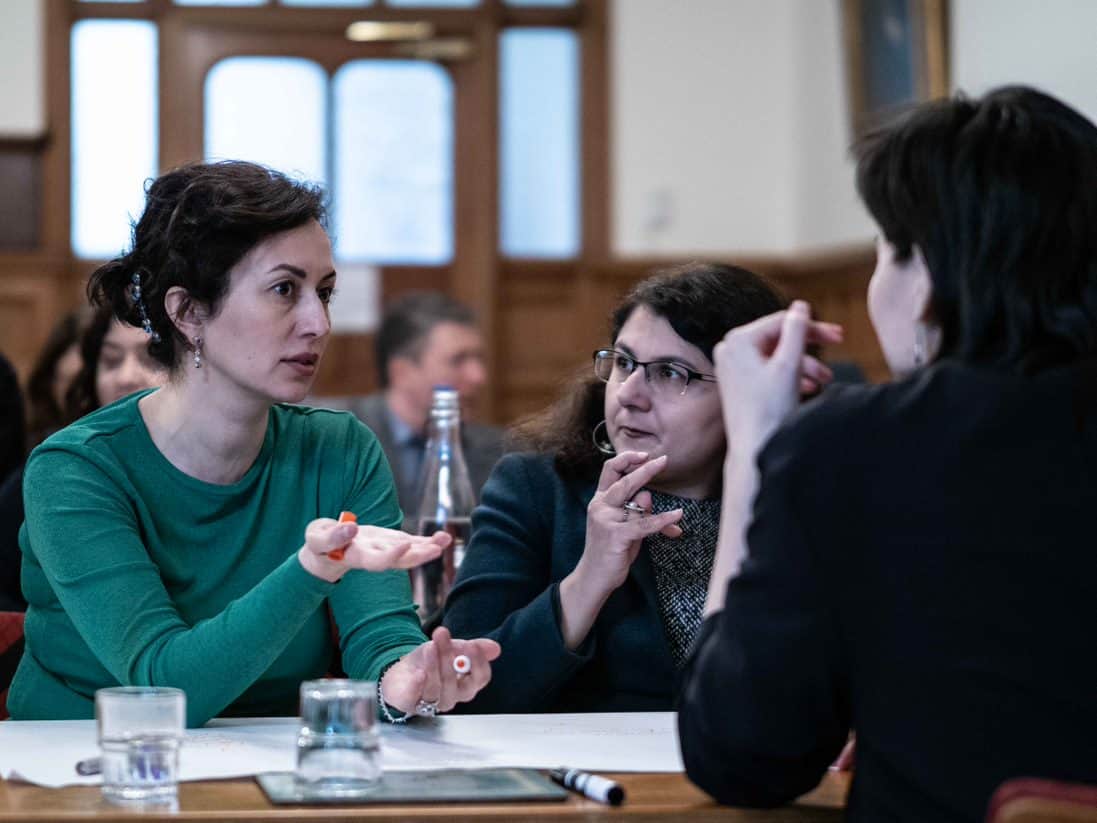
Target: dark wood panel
(20,207)
(33,296)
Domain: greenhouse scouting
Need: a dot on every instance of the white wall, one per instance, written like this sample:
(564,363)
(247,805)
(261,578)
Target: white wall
(1050,44)
(22,67)
(730,117)
(730,128)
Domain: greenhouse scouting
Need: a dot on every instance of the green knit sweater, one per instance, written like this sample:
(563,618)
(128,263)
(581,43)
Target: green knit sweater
(136,573)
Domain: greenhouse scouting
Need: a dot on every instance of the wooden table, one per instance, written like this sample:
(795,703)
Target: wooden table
(650,797)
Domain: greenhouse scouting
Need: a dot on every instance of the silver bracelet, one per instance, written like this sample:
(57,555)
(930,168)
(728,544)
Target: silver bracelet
(385,706)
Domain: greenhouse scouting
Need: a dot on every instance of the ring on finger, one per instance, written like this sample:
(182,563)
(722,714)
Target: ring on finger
(426,708)
(462,665)
(632,507)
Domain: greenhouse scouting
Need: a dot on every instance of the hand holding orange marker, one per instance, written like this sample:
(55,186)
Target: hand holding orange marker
(344,517)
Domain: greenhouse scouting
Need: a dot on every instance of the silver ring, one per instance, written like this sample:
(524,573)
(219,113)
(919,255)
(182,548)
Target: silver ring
(632,507)
(426,708)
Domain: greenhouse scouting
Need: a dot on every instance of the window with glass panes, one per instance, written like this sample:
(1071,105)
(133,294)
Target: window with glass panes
(378,125)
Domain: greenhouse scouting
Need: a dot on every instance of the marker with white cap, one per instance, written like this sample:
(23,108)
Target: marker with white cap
(589,785)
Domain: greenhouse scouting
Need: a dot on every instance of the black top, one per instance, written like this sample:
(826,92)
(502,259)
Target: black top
(921,568)
(11,558)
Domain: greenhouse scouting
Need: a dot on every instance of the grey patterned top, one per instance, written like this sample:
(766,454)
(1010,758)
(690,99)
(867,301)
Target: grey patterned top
(683,567)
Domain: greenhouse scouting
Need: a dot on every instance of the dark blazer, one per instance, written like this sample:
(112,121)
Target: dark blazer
(527,535)
(482,446)
(922,568)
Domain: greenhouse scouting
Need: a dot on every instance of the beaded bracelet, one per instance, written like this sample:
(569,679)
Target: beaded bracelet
(385,706)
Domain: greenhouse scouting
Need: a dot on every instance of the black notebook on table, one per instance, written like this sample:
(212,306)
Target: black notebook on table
(434,786)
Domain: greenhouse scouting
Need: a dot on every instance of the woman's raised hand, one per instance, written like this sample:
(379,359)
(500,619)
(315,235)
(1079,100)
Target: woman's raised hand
(762,368)
(366,547)
(426,681)
(614,532)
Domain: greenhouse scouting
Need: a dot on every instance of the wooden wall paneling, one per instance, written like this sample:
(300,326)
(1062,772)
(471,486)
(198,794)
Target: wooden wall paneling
(31,300)
(541,335)
(20,207)
(56,172)
(349,366)
(595,130)
(475,266)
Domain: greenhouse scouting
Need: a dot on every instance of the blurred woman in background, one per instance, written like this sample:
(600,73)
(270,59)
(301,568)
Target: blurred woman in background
(52,375)
(111,361)
(115,362)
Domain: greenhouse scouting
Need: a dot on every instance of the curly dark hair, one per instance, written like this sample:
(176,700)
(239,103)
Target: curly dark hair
(998,195)
(81,397)
(701,301)
(199,221)
(44,414)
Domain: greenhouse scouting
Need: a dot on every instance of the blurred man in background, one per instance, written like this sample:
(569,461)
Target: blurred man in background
(427,339)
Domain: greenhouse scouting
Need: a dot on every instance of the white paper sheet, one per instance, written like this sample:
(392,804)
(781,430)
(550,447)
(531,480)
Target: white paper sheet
(45,752)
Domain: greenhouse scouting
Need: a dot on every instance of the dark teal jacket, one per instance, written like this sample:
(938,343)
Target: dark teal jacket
(527,536)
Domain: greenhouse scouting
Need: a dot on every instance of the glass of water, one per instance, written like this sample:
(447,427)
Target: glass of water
(338,748)
(140,732)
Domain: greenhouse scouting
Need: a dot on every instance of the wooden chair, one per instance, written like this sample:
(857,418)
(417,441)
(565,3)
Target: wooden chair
(1032,800)
(11,650)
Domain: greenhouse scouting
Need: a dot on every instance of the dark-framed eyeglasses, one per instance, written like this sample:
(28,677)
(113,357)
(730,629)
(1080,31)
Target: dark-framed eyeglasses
(664,376)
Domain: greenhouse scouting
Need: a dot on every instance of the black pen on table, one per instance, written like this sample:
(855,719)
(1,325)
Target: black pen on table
(86,768)
(589,785)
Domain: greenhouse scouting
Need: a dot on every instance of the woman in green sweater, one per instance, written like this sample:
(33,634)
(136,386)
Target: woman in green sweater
(184,536)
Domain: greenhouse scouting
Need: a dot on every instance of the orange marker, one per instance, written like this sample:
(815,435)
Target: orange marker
(344,517)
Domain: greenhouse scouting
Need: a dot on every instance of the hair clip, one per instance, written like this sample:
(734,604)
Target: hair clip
(135,293)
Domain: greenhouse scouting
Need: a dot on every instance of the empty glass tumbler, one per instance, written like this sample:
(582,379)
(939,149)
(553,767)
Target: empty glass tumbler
(338,747)
(140,731)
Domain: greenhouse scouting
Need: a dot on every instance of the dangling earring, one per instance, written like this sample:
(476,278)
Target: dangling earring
(919,345)
(602,442)
(198,352)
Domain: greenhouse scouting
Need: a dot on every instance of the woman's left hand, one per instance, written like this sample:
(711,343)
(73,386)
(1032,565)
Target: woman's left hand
(427,677)
(762,369)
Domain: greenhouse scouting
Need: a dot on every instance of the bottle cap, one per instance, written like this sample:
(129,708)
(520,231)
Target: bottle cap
(445,398)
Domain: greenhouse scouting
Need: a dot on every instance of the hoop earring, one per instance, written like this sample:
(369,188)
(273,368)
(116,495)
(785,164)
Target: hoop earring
(198,352)
(602,443)
(919,346)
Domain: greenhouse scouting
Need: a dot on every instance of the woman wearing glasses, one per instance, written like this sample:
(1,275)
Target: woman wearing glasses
(589,558)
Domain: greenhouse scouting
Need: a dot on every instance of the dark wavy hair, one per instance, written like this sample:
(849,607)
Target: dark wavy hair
(44,414)
(701,301)
(199,221)
(998,193)
(82,398)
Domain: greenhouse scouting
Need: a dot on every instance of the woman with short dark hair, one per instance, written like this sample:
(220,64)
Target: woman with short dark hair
(919,564)
(590,556)
(183,536)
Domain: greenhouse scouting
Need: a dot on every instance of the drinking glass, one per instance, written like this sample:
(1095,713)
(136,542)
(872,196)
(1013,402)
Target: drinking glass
(338,749)
(140,731)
